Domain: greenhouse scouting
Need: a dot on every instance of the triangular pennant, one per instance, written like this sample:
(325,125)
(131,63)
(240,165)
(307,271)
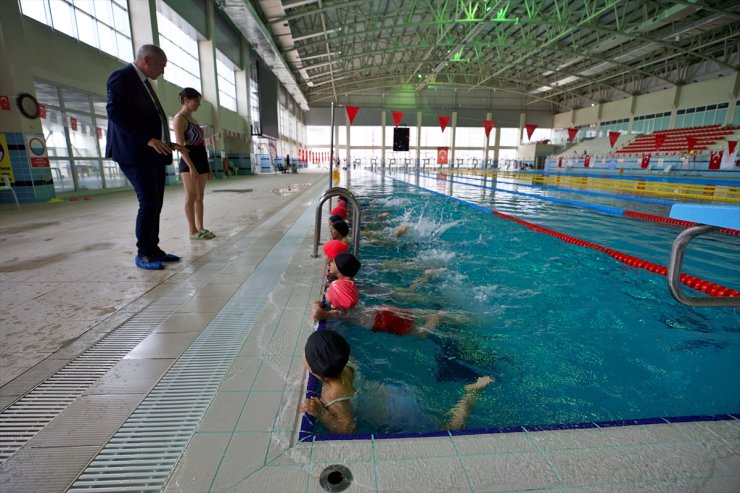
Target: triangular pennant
(352,113)
(572,133)
(443,121)
(397,117)
(613,137)
(488,125)
(731,146)
(530,129)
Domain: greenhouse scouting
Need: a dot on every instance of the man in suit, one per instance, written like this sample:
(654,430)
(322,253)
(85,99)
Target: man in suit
(139,141)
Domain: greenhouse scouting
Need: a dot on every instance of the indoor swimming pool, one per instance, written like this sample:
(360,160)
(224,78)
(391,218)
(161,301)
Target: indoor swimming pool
(571,335)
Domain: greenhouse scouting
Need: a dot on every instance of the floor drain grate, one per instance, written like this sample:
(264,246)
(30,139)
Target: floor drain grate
(335,478)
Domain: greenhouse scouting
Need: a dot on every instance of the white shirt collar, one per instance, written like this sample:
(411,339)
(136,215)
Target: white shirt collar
(142,76)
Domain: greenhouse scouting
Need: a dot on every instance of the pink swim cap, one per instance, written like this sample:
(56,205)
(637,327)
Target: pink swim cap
(343,294)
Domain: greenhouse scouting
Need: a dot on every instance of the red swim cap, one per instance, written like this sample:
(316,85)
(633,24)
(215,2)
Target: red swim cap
(339,211)
(333,247)
(343,294)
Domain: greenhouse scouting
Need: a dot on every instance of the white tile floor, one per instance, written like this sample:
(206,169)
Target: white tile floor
(60,296)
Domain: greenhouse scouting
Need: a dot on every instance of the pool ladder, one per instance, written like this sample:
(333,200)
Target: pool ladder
(709,218)
(338,192)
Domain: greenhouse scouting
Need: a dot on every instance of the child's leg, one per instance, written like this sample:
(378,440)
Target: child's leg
(461,412)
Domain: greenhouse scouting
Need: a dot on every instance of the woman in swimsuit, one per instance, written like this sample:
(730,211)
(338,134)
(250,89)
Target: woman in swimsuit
(194,168)
(326,355)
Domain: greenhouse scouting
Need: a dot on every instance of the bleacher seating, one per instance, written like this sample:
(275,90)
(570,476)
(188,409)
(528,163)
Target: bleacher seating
(599,146)
(676,140)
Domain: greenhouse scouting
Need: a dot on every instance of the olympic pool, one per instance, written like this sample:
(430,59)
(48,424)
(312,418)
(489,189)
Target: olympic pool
(572,335)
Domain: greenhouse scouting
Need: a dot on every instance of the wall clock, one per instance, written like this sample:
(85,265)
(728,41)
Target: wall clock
(28,105)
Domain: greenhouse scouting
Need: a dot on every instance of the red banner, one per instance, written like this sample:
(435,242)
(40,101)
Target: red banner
(645,160)
(586,161)
(352,113)
(42,111)
(613,136)
(572,133)
(442,153)
(73,123)
(397,117)
(659,139)
(530,129)
(4,103)
(488,125)
(691,143)
(443,121)
(731,146)
(99,132)
(560,162)
(715,158)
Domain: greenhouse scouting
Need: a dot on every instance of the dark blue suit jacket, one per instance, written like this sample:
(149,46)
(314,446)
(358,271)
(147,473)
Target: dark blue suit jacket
(132,120)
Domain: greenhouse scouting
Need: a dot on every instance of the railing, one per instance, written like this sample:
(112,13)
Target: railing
(338,192)
(716,216)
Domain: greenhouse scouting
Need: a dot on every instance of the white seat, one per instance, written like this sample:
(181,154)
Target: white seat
(6,186)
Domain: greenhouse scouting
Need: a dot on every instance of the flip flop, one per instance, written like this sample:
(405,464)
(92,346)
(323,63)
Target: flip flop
(209,235)
(200,235)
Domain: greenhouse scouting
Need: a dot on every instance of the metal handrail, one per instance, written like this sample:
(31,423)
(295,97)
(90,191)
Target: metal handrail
(338,192)
(674,270)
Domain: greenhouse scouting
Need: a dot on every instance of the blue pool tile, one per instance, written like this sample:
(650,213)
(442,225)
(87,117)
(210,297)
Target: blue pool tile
(566,426)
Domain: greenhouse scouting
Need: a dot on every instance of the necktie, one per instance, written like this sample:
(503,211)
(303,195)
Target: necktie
(162,116)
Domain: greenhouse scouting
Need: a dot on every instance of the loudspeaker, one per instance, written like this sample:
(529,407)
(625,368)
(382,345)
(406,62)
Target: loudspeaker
(400,139)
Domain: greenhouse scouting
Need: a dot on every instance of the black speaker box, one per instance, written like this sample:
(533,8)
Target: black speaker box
(400,139)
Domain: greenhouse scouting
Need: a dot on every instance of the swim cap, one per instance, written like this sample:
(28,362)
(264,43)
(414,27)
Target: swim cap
(333,247)
(327,353)
(335,218)
(343,294)
(341,226)
(347,264)
(339,211)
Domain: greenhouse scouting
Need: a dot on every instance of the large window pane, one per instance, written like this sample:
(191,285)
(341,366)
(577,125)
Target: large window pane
(179,41)
(35,10)
(62,17)
(86,28)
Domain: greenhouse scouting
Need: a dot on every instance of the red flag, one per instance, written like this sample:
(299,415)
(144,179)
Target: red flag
(42,111)
(352,113)
(659,139)
(397,117)
(443,121)
(560,162)
(5,103)
(586,161)
(442,153)
(530,129)
(691,143)
(645,160)
(731,146)
(73,123)
(613,136)
(488,125)
(99,132)
(715,158)
(572,133)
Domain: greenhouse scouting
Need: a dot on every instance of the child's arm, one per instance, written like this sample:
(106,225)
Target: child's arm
(338,419)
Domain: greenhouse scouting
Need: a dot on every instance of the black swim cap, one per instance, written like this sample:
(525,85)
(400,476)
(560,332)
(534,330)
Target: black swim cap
(341,226)
(347,264)
(327,353)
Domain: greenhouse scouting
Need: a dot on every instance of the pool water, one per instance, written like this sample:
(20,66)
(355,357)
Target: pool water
(570,334)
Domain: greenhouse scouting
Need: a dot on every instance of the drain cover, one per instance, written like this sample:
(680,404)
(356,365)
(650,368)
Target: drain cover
(335,478)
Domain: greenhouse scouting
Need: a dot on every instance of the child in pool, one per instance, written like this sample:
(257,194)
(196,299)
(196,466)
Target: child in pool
(341,293)
(339,230)
(326,355)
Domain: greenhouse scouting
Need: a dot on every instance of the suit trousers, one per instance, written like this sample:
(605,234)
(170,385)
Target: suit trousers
(148,183)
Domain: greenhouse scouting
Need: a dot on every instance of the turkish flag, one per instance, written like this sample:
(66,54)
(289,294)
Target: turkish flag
(530,129)
(443,121)
(99,132)
(73,123)
(715,158)
(5,103)
(586,161)
(613,136)
(442,153)
(659,139)
(397,117)
(42,111)
(352,113)
(488,125)
(691,143)
(645,160)
(572,133)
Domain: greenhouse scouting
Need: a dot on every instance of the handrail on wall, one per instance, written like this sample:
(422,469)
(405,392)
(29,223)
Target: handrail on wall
(338,192)
(710,218)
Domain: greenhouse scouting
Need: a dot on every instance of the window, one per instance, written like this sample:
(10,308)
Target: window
(103,24)
(179,40)
(226,81)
